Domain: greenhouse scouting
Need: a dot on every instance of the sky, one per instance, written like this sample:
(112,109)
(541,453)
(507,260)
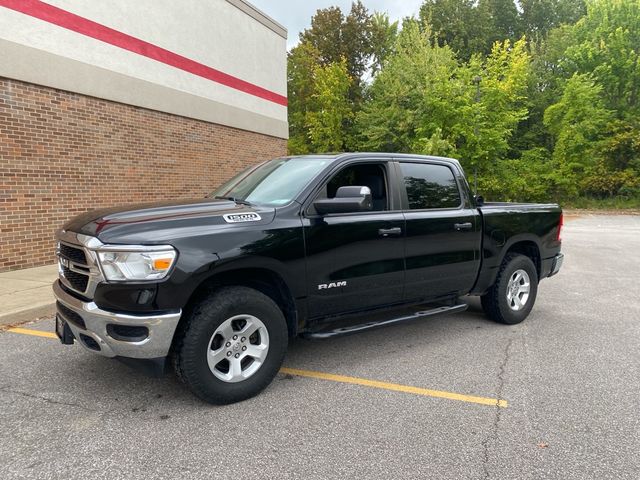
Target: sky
(296,15)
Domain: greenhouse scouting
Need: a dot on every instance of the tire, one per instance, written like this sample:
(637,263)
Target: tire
(205,342)
(501,303)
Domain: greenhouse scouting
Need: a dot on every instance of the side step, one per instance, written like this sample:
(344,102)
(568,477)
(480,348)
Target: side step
(384,323)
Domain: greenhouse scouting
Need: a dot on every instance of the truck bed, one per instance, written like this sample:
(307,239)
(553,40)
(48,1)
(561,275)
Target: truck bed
(533,226)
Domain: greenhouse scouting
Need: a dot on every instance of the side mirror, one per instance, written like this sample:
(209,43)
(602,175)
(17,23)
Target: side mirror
(479,200)
(347,200)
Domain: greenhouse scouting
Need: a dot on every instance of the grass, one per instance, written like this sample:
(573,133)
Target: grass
(614,203)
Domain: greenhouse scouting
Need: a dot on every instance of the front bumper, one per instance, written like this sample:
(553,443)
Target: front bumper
(93,328)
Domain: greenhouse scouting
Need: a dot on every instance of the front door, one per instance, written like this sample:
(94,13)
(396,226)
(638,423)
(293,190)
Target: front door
(355,261)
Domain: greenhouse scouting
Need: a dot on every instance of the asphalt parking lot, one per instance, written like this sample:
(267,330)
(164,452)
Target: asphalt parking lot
(569,377)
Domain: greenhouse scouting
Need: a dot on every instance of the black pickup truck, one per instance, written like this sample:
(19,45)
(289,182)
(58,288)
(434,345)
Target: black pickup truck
(308,245)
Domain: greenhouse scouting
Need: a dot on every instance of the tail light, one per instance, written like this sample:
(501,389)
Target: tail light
(560,224)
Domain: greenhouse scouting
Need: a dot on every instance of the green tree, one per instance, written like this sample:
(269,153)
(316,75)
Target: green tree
(568,12)
(357,44)
(607,45)
(411,97)
(501,21)
(546,81)
(471,26)
(486,126)
(302,62)
(333,38)
(383,38)
(456,23)
(555,116)
(325,34)
(594,123)
(538,17)
(336,37)
(330,110)
(621,147)
(577,122)
(425,101)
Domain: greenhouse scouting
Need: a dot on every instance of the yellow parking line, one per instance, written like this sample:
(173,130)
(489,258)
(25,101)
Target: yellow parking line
(36,333)
(395,387)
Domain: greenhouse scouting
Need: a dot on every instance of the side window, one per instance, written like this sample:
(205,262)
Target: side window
(361,174)
(430,186)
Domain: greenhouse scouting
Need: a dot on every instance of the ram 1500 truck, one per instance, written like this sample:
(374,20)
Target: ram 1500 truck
(307,245)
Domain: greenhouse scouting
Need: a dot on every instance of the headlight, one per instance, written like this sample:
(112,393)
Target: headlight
(136,265)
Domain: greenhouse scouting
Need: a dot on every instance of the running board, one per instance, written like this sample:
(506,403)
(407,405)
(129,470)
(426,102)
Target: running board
(384,323)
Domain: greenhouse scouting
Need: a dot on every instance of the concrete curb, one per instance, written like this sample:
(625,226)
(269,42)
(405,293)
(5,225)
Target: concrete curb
(28,314)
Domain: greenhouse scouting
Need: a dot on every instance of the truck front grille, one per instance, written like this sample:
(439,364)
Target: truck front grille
(73,265)
(74,254)
(76,280)
(78,264)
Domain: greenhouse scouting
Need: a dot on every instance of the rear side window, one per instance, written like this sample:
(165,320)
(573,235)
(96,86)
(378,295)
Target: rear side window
(430,186)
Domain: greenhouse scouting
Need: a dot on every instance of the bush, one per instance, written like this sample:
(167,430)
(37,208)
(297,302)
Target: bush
(600,182)
(534,177)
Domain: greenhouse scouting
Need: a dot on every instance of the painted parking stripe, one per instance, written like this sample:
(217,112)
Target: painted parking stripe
(364,382)
(395,387)
(27,331)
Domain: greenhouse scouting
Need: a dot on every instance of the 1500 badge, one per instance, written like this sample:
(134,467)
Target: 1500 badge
(241,217)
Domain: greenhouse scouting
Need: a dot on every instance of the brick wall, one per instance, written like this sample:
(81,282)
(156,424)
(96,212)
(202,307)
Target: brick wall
(62,154)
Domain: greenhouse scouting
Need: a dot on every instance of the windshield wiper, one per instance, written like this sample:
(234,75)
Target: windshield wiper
(234,199)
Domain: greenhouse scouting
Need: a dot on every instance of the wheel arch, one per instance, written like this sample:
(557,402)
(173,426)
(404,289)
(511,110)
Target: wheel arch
(265,280)
(528,247)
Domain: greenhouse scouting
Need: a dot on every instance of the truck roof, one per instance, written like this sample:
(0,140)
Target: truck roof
(373,155)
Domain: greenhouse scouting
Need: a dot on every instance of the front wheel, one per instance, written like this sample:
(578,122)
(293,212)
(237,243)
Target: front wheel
(513,294)
(231,345)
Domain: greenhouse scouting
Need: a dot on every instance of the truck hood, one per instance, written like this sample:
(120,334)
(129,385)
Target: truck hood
(158,222)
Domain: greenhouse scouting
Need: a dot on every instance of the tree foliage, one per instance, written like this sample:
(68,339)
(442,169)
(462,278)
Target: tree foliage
(356,44)
(414,88)
(425,101)
(455,23)
(538,17)
(329,112)
(541,98)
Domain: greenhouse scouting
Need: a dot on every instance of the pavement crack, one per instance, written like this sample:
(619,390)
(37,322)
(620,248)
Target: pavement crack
(45,399)
(489,442)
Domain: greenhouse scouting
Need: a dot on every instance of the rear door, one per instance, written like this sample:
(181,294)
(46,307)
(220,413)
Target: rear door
(355,261)
(443,231)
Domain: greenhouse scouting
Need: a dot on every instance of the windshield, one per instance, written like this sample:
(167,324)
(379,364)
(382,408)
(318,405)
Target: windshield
(273,183)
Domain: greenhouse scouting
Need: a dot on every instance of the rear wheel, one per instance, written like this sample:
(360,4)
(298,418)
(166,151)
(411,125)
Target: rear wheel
(231,346)
(513,294)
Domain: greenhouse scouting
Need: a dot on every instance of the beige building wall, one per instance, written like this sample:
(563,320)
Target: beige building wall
(221,61)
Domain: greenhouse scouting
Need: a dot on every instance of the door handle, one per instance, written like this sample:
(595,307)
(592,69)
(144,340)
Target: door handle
(387,232)
(463,226)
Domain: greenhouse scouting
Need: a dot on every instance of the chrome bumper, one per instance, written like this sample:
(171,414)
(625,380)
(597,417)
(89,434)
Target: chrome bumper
(156,344)
(557,263)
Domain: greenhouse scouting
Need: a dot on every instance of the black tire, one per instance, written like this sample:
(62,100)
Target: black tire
(495,303)
(193,341)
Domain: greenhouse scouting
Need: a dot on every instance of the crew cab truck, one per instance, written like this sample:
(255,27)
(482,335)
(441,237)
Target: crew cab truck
(306,245)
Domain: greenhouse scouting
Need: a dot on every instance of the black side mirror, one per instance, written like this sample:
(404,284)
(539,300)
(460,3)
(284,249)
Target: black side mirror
(479,200)
(347,200)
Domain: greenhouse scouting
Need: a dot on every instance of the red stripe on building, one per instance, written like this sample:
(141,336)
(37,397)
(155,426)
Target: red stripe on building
(89,28)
